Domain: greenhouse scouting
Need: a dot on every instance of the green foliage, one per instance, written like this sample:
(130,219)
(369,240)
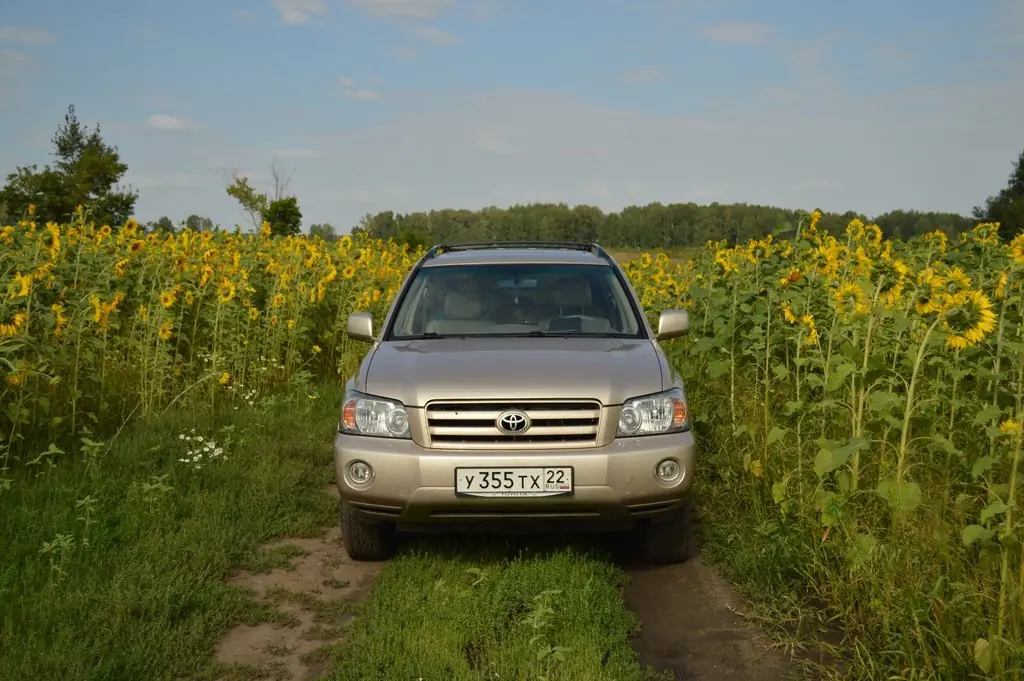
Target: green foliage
(471,610)
(1007,207)
(86,172)
(660,226)
(324,231)
(120,572)
(197,223)
(164,225)
(253,202)
(284,216)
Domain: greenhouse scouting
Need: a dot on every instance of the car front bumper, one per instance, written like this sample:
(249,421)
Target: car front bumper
(614,485)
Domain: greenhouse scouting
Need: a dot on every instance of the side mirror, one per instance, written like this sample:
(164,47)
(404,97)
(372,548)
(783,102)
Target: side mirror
(360,326)
(672,324)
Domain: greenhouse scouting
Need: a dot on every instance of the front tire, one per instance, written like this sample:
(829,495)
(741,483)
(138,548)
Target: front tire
(670,540)
(365,540)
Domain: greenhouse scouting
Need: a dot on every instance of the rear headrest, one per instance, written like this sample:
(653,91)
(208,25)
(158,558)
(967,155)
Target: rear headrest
(572,292)
(462,305)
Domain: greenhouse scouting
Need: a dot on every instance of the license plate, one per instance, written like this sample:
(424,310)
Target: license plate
(532,481)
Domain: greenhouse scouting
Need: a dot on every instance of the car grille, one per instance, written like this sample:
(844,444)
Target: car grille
(554,424)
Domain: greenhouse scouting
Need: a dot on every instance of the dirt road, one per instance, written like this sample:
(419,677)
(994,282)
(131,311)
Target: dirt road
(690,627)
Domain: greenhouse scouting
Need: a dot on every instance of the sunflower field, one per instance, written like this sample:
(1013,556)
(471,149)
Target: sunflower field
(101,326)
(862,399)
(858,400)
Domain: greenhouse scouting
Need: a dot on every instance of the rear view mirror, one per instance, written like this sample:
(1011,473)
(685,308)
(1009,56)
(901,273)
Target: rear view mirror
(360,326)
(672,324)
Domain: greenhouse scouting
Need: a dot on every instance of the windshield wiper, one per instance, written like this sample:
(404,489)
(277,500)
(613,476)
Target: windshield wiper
(422,336)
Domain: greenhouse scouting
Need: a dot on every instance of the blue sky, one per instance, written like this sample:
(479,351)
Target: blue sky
(418,104)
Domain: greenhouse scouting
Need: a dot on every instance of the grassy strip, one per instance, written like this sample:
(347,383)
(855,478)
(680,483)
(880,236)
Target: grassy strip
(117,569)
(469,610)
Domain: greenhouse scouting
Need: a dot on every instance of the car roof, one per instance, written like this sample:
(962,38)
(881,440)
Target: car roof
(516,256)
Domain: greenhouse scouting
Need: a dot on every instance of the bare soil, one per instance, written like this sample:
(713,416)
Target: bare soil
(691,626)
(314,597)
(691,623)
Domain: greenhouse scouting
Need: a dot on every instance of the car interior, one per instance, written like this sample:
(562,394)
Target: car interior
(488,300)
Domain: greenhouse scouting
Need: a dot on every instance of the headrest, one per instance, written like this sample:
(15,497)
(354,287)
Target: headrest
(462,305)
(572,292)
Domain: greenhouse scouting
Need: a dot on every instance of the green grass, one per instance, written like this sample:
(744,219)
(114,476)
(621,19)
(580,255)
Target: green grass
(471,611)
(139,590)
(135,582)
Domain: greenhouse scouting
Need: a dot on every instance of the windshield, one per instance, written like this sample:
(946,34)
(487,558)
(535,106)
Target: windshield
(516,300)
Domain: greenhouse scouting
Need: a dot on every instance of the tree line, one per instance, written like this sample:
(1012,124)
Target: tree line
(88,172)
(653,226)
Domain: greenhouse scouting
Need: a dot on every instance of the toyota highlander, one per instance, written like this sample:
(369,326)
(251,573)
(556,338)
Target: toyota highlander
(512,384)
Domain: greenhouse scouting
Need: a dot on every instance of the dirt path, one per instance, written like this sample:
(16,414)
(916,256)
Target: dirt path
(314,598)
(691,628)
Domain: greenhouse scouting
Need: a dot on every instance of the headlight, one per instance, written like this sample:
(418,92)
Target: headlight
(365,415)
(665,412)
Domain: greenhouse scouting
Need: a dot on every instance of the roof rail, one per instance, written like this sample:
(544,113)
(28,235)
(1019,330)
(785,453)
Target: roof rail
(479,245)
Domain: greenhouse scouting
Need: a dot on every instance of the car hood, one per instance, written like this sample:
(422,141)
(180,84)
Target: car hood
(607,369)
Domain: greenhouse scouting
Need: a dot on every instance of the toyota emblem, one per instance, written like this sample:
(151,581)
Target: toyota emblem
(513,422)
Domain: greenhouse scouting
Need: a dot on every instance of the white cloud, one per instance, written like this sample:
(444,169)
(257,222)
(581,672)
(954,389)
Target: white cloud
(362,94)
(498,141)
(424,10)
(12,58)
(643,75)
(737,33)
(930,148)
(351,90)
(166,180)
(296,152)
(171,123)
(25,35)
(435,36)
(299,12)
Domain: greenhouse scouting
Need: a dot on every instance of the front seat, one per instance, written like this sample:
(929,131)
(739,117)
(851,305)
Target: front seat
(461,315)
(573,296)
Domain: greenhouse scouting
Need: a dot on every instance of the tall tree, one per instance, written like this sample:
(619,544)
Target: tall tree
(198,223)
(86,172)
(325,231)
(1007,207)
(284,216)
(254,203)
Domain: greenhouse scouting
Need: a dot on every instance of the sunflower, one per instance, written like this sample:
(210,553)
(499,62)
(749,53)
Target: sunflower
(1016,248)
(13,327)
(51,239)
(226,291)
(968,318)
(169,297)
(165,330)
(849,299)
(59,321)
(1004,280)
(136,246)
(928,297)
(348,272)
(956,280)
(20,286)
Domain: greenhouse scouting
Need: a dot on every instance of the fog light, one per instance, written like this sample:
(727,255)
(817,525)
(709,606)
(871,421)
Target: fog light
(360,472)
(668,470)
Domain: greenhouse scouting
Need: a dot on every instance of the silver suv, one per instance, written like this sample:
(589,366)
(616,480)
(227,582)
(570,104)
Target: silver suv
(515,384)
